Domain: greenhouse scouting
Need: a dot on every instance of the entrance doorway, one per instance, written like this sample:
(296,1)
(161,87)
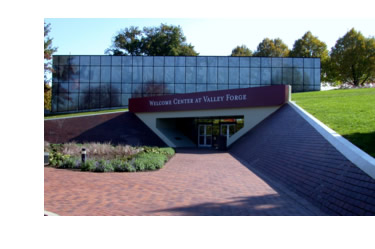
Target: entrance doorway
(205,135)
(227,130)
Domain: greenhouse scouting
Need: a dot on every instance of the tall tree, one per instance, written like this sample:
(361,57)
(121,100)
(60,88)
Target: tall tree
(241,51)
(311,46)
(164,40)
(48,51)
(272,48)
(353,58)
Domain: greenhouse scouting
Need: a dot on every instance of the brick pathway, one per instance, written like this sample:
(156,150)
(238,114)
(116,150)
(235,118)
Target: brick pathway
(193,182)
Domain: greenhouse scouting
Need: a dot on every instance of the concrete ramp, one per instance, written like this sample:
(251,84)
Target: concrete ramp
(286,148)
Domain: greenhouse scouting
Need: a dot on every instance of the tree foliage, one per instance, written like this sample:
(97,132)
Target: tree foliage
(153,41)
(48,52)
(353,58)
(272,48)
(309,46)
(241,51)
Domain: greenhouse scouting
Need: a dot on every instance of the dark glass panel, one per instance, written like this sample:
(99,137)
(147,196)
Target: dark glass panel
(265,61)
(169,74)
(180,74)
(105,60)
(276,76)
(105,74)
(234,61)
(244,62)
(212,75)
(159,61)
(84,87)
(202,61)
(127,74)
(244,76)
(116,60)
(116,74)
(287,76)
(191,75)
(212,61)
(234,75)
(169,61)
(94,74)
(265,76)
(84,73)
(115,100)
(94,87)
(222,75)
(127,60)
(191,61)
(148,61)
(84,60)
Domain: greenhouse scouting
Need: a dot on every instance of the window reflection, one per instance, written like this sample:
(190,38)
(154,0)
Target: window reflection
(84,82)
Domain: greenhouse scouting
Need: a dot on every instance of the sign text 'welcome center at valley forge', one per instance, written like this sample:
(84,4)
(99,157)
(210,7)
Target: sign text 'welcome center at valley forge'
(199,100)
(234,98)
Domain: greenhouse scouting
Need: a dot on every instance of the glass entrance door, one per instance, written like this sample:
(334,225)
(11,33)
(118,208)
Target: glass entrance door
(205,135)
(227,130)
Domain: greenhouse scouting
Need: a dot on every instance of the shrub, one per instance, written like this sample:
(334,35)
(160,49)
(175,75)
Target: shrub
(104,166)
(118,165)
(88,165)
(169,152)
(108,158)
(57,159)
(70,163)
(149,161)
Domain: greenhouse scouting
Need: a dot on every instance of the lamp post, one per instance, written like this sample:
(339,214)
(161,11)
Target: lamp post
(83,155)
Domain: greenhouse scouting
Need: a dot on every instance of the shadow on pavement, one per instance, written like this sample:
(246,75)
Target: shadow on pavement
(265,205)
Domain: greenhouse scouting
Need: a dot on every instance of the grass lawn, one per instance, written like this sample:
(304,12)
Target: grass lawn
(350,112)
(83,113)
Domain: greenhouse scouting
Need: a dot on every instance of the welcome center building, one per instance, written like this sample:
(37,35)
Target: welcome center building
(228,109)
(239,103)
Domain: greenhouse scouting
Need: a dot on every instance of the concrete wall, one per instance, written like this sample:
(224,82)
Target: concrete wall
(252,116)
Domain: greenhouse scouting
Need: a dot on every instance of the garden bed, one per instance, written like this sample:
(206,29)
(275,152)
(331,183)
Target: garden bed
(107,157)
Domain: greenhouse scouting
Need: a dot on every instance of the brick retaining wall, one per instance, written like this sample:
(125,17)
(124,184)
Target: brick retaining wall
(117,128)
(289,150)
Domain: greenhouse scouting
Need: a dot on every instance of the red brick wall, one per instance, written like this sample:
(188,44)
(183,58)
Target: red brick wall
(289,150)
(117,128)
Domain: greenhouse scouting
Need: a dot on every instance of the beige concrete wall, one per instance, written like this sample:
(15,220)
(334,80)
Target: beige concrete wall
(252,116)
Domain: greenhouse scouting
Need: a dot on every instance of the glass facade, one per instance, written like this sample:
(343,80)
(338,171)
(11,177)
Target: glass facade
(102,82)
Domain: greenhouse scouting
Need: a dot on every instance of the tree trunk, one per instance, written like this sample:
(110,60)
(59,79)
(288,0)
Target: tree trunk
(355,78)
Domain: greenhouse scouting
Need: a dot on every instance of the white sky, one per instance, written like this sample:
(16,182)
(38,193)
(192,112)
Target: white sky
(215,36)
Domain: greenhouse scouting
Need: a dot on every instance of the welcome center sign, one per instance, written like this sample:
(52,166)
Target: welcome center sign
(236,98)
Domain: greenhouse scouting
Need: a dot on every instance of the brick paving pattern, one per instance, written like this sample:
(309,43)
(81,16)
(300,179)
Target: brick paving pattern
(193,182)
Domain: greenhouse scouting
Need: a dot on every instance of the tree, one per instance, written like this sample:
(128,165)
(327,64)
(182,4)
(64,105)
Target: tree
(353,58)
(311,46)
(272,48)
(241,51)
(163,41)
(48,51)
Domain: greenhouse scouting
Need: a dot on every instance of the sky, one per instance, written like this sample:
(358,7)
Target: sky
(211,36)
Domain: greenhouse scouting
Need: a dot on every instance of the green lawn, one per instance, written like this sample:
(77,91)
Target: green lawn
(350,112)
(83,113)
